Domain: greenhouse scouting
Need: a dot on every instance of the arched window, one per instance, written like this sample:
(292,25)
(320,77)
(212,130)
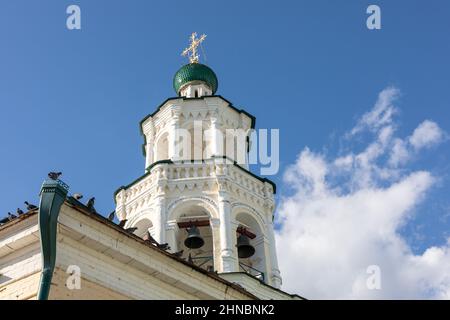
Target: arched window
(162,148)
(195,215)
(254,265)
(143,226)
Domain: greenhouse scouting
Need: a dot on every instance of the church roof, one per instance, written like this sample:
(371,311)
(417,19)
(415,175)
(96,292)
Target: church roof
(75,204)
(78,206)
(195,72)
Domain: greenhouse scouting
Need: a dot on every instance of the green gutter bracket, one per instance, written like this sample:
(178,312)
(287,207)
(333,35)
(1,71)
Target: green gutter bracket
(53,193)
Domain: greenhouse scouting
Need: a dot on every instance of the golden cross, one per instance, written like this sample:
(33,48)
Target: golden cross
(191,51)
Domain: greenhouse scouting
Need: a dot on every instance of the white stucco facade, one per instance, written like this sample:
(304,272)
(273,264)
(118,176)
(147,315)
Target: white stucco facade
(210,184)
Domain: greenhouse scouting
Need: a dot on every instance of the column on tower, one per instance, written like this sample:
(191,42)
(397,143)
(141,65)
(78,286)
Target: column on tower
(149,150)
(159,207)
(171,235)
(229,261)
(173,135)
(149,133)
(216,136)
(274,276)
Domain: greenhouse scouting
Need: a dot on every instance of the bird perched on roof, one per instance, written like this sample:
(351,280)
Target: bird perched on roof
(190,259)
(77,196)
(90,205)
(4,220)
(178,254)
(148,238)
(30,206)
(111,215)
(11,216)
(54,175)
(164,246)
(122,223)
(19,211)
(131,230)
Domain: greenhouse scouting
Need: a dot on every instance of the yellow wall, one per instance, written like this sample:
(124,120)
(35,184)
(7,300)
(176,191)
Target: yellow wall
(88,290)
(21,289)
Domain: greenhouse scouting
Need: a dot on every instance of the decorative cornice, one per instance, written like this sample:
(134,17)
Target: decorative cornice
(241,111)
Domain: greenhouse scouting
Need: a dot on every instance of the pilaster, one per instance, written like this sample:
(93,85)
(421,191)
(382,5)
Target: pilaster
(229,260)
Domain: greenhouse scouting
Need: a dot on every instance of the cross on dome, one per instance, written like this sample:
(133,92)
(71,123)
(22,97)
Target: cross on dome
(191,51)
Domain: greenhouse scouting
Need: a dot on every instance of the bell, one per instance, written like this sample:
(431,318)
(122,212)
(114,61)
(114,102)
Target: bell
(245,249)
(194,240)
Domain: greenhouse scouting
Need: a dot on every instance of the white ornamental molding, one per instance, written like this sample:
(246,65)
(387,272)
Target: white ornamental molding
(201,200)
(260,218)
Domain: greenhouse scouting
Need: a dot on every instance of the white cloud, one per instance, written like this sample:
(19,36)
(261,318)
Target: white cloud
(399,153)
(426,134)
(345,214)
(381,114)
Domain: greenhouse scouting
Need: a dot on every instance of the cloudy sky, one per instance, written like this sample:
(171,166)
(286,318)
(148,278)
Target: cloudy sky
(363,116)
(343,220)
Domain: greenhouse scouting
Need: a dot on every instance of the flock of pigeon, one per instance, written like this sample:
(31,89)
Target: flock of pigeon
(90,206)
(30,207)
(147,238)
(10,217)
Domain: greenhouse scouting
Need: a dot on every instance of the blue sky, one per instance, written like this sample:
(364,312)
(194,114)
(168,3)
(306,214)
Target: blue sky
(72,100)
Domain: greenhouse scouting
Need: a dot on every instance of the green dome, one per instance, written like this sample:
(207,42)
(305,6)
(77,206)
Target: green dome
(195,72)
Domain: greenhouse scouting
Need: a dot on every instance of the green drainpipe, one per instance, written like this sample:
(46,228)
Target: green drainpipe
(53,193)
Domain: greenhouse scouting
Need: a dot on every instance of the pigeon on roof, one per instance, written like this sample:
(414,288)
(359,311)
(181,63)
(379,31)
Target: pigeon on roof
(5,219)
(77,196)
(11,216)
(90,205)
(178,254)
(30,206)
(164,246)
(131,230)
(148,238)
(122,223)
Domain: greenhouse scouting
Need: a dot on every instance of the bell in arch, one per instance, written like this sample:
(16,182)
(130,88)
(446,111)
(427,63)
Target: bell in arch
(245,249)
(194,240)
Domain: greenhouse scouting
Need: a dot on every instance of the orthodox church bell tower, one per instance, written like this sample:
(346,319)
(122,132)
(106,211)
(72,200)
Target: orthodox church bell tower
(197,193)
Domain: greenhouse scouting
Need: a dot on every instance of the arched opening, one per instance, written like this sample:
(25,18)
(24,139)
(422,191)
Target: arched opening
(197,217)
(143,226)
(249,228)
(162,148)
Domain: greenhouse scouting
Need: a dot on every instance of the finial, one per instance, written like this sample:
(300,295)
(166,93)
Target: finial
(191,51)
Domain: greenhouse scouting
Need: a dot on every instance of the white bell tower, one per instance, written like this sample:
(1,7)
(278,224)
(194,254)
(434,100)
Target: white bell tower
(197,185)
